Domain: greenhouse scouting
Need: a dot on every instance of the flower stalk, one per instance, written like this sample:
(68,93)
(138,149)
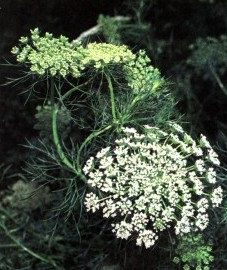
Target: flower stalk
(112,98)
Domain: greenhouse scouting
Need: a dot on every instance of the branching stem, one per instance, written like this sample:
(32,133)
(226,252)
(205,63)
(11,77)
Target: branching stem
(87,141)
(57,143)
(60,151)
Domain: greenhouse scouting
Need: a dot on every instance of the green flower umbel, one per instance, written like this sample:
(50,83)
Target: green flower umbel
(54,56)
(46,55)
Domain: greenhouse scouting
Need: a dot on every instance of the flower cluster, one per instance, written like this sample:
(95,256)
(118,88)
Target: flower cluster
(141,75)
(102,54)
(49,54)
(153,181)
(58,56)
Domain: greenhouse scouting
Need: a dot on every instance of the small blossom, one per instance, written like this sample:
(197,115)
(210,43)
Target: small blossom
(15,50)
(204,142)
(129,130)
(91,202)
(213,157)
(217,196)
(139,221)
(23,39)
(176,127)
(88,166)
(188,139)
(211,176)
(103,152)
(123,230)
(197,151)
(202,221)
(183,226)
(146,237)
(203,205)
(200,166)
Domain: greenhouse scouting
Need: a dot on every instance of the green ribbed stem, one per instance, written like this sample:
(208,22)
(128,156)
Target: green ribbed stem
(57,143)
(60,152)
(112,98)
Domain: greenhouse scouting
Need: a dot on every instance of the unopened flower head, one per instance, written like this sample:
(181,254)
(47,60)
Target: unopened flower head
(153,181)
(141,75)
(47,55)
(102,54)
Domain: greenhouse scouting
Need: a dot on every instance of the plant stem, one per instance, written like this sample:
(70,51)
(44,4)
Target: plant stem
(77,169)
(87,140)
(57,143)
(61,153)
(52,92)
(112,99)
(75,88)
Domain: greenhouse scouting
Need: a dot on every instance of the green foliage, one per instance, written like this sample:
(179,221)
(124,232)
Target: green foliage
(5,171)
(113,87)
(133,30)
(21,235)
(37,240)
(110,29)
(127,30)
(209,53)
(193,252)
(204,84)
(201,81)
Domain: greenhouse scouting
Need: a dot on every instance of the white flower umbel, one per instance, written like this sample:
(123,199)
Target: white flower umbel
(153,181)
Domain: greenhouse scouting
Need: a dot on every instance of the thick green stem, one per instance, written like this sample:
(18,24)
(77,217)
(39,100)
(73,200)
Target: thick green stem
(60,151)
(55,130)
(52,92)
(57,143)
(112,99)
(77,168)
